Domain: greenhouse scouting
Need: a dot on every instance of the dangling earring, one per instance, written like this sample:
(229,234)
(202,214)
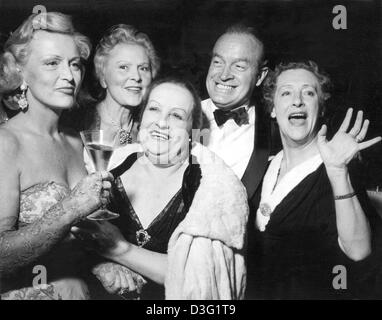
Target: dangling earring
(23,102)
(273,114)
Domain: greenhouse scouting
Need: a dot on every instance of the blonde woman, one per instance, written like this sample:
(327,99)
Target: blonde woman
(125,63)
(44,189)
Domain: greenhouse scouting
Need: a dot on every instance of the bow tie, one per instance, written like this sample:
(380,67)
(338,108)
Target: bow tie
(240,116)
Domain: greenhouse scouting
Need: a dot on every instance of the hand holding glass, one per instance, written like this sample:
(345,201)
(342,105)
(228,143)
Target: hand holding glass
(100,145)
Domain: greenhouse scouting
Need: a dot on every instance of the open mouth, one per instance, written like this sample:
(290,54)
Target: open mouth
(160,135)
(298,116)
(224,87)
(134,89)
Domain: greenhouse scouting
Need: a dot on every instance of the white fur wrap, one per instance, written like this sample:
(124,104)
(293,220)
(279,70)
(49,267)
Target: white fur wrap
(206,251)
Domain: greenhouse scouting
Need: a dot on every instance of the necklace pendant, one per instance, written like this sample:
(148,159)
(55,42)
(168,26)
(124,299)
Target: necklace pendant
(265,209)
(124,137)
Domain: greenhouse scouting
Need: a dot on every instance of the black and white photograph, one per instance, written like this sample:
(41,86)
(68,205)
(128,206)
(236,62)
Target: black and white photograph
(192,150)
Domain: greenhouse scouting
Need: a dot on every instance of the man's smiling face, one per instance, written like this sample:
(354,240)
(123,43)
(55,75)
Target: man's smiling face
(233,70)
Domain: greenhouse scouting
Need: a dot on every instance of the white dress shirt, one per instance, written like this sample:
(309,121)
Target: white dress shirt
(233,143)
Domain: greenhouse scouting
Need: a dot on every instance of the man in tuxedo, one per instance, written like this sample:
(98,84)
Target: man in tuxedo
(237,130)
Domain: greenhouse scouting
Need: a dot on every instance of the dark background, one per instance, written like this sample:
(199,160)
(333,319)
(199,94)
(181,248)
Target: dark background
(184,33)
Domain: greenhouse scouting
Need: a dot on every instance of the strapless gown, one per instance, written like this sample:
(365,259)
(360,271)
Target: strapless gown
(63,263)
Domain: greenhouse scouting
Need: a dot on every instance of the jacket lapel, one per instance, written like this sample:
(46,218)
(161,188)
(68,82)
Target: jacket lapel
(258,162)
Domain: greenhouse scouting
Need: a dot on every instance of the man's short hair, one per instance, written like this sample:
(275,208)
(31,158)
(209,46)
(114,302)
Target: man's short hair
(243,29)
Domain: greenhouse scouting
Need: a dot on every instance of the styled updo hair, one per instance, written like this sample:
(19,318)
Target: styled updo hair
(16,48)
(123,34)
(270,83)
(197,114)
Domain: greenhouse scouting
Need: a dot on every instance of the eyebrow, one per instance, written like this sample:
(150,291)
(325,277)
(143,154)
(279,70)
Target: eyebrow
(171,108)
(55,56)
(130,63)
(246,60)
(123,61)
(304,86)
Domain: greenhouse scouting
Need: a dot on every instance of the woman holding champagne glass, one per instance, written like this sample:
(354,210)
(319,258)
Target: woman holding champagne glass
(183,212)
(44,188)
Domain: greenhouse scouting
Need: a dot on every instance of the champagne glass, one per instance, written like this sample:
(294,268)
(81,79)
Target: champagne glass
(100,146)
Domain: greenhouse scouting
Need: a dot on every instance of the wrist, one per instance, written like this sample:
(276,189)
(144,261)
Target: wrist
(337,172)
(340,183)
(120,251)
(70,211)
(345,196)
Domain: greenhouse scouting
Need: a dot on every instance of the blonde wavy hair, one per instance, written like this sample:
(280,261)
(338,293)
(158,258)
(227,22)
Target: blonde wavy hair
(122,33)
(17,48)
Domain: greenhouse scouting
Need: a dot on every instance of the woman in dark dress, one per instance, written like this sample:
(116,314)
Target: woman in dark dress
(182,217)
(310,223)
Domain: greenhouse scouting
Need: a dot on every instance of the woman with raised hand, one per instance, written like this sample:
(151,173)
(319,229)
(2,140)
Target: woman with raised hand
(311,216)
(44,189)
(182,213)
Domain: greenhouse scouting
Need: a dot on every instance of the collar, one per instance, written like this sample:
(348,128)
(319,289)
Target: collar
(272,194)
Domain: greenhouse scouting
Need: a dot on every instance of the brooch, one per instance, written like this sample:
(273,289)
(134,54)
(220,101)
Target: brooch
(265,209)
(124,137)
(142,237)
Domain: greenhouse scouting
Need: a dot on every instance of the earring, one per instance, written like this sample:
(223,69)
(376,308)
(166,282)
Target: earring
(23,102)
(273,114)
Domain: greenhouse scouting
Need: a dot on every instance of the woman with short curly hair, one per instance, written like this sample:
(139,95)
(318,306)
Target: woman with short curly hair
(125,63)
(311,215)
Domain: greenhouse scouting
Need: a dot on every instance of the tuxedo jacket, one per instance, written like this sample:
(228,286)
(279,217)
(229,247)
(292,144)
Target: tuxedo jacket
(255,170)
(258,162)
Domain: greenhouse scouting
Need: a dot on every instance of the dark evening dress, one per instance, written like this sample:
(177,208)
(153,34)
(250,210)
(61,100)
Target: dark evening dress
(294,257)
(157,235)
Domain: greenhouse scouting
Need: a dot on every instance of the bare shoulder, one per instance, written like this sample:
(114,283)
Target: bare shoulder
(10,146)
(9,143)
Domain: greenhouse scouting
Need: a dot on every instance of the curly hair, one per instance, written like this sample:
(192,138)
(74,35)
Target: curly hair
(270,83)
(16,48)
(122,33)
(197,114)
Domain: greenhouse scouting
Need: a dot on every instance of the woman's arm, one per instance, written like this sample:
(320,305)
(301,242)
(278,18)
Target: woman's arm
(21,246)
(150,264)
(107,240)
(352,225)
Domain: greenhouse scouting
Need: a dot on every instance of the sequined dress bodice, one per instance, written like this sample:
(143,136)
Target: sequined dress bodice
(62,262)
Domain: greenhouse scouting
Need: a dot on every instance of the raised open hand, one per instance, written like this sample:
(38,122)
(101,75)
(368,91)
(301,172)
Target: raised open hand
(339,151)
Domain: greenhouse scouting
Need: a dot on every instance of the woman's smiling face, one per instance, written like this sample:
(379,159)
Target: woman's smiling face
(167,121)
(127,74)
(296,105)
